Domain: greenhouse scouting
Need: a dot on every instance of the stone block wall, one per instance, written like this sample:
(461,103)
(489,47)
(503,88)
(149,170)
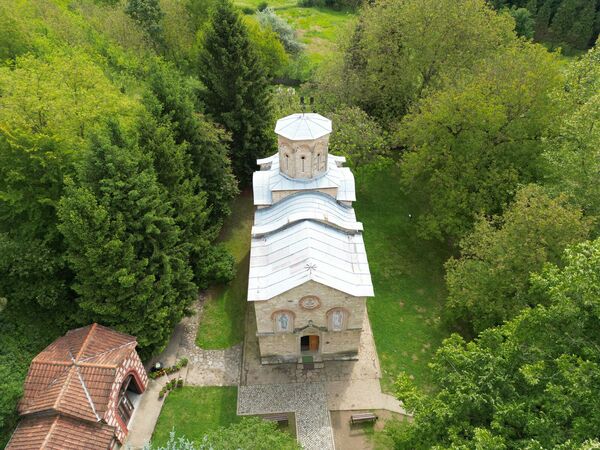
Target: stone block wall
(285,346)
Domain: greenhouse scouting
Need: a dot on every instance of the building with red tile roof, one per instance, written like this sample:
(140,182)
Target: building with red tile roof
(80,392)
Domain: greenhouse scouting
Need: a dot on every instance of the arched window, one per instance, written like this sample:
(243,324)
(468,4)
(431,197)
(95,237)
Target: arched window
(302,159)
(287,161)
(337,319)
(128,397)
(318,161)
(283,321)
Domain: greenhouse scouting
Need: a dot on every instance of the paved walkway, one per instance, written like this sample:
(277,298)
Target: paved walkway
(307,400)
(311,394)
(205,368)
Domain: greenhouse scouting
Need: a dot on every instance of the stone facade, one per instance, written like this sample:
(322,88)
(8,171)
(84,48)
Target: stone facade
(285,346)
(303,159)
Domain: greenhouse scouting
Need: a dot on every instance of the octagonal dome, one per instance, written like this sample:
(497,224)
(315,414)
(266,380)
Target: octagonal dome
(303,126)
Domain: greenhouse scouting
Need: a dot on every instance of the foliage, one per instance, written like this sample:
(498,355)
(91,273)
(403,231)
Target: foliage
(574,152)
(168,370)
(401,48)
(471,144)
(250,433)
(532,383)
(570,23)
(524,21)
(359,138)
(148,15)
(489,283)
(236,92)
(270,49)
(286,34)
(124,245)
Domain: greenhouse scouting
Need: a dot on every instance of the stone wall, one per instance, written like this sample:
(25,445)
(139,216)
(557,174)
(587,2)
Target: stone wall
(303,159)
(285,346)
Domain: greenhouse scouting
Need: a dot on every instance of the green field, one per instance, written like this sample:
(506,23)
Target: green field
(407,276)
(222,322)
(193,411)
(318,28)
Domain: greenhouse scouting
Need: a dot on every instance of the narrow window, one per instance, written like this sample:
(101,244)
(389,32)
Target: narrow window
(303,163)
(318,161)
(287,161)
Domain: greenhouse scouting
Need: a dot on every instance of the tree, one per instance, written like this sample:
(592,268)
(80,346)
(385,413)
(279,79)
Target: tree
(400,49)
(123,244)
(286,34)
(573,153)
(524,21)
(250,434)
(236,92)
(489,283)
(532,383)
(359,138)
(149,16)
(471,144)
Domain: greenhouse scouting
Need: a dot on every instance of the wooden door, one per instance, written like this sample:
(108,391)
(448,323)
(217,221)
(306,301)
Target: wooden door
(313,343)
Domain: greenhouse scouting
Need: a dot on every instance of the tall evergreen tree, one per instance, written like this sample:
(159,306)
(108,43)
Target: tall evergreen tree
(123,243)
(236,91)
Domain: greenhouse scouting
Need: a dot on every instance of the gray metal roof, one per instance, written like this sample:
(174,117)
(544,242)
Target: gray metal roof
(305,206)
(269,180)
(306,251)
(303,126)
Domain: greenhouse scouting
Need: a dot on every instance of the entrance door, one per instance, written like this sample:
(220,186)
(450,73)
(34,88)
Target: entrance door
(313,343)
(309,344)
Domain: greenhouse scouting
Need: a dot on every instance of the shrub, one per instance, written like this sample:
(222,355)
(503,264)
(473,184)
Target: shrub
(262,6)
(286,34)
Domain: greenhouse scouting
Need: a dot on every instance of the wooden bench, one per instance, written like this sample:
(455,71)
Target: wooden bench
(279,418)
(362,417)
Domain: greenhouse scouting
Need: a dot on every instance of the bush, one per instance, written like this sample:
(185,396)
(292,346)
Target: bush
(286,34)
(262,6)
(248,11)
(217,266)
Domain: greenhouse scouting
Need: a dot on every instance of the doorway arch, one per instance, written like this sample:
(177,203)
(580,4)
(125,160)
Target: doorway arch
(310,343)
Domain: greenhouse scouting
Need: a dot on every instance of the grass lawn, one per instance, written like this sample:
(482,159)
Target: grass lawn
(193,411)
(407,276)
(318,28)
(222,323)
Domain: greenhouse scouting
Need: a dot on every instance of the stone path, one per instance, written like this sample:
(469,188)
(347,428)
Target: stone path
(205,368)
(307,400)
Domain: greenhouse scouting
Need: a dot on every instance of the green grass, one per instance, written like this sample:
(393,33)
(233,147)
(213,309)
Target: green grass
(193,411)
(318,28)
(222,322)
(407,276)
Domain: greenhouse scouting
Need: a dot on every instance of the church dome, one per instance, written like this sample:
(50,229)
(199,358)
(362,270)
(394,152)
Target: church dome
(303,126)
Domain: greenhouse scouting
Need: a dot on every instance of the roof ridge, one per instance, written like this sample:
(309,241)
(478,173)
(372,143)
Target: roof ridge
(85,342)
(87,393)
(65,384)
(105,352)
(47,438)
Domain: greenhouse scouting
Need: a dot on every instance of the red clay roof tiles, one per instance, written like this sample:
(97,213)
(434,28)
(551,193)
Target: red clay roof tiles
(58,432)
(74,374)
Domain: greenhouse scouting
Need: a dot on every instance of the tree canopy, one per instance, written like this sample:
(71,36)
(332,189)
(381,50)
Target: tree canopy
(532,383)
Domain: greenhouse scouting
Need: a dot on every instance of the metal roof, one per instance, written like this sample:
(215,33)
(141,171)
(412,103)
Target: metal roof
(271,179)
(303,126)
(313,205)
(306,251)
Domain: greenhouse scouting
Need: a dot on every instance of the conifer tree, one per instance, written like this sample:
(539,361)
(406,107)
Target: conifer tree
(236,91)
(123,244)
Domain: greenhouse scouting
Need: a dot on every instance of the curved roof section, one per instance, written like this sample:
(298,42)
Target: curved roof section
(308,251)
(271,179)
(303,126)
(305,206)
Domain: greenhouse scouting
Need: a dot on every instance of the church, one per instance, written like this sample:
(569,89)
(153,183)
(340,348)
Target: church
(309,276)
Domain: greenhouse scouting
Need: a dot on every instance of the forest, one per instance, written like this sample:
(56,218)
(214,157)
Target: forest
(127,128)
